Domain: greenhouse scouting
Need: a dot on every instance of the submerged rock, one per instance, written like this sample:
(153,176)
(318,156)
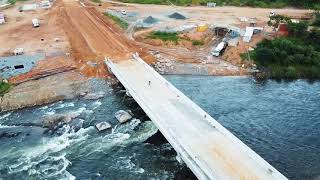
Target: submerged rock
(123,116)
(52,121)
(76,124)
(103,126)
(94,96)
(58,119)
(9,134)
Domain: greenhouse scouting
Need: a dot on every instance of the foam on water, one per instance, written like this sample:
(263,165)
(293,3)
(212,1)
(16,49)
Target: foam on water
(48,158)
(5,115)
(6,126)
(96,104)
(64,105)
(50,113)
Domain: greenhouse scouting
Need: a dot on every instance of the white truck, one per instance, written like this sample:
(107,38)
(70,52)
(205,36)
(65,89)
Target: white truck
(219,49)
(35,23)
(123,12)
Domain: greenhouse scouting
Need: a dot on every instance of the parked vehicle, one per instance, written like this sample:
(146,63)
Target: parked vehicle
(18,51)
(123,12)
(219,49)
(35,23)
(272,13)
(2,18)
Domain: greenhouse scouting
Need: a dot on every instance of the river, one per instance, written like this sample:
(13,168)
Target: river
(280,121)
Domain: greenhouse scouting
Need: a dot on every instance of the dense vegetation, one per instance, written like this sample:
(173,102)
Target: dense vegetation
(173,37)
(295,56)
(4,88)
(123,24)
(317,19)
(253,3)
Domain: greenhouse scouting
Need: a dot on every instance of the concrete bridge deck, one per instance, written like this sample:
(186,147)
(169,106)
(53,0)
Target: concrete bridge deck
(207,148)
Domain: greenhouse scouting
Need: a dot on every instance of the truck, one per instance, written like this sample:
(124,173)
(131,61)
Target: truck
(2,19)
(219,49)
(123,12)
(35,23)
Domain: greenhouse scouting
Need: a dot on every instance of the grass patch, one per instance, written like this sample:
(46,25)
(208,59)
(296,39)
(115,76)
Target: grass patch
(4,88)
(173,37)
(165,36)
(96,1)
(123,24)
(197,43)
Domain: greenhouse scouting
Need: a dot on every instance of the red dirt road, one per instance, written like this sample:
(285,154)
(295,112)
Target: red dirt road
(94,37)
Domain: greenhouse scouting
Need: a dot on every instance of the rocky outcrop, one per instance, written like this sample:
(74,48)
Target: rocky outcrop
(57,119)
(123,116)
(103,126)
(49,89)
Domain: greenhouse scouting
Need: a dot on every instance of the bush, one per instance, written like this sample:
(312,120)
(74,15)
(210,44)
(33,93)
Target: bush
(317,19)
(12,2)
(291,73)
(298,29)
(296,56)
(4,88)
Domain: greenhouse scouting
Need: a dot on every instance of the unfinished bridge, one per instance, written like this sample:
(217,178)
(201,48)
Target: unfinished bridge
(207,148)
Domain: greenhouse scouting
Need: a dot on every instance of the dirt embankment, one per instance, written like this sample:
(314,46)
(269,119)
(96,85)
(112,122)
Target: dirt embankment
(93,37)
(45,90)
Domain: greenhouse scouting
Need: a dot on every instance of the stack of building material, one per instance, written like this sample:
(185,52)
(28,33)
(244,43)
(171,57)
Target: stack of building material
(45,4)
(29,7)
(249,32)
(202,27)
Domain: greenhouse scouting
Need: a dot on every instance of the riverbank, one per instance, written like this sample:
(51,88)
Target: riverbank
(293,57)
(62,86)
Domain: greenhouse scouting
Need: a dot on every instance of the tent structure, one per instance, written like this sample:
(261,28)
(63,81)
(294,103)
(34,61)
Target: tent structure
(249,32)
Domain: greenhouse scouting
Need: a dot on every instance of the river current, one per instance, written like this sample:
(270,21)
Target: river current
(280,121)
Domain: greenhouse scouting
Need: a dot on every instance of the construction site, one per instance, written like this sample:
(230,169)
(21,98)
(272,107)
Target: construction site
(41,40)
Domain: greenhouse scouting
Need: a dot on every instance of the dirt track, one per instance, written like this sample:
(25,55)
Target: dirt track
(93,37)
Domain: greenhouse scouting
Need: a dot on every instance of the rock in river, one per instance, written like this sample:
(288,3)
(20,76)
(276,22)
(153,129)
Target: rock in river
(54,120)
(123,116)
(103,126)
(96,95)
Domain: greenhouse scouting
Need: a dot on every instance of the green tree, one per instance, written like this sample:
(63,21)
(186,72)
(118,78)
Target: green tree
(298,29)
